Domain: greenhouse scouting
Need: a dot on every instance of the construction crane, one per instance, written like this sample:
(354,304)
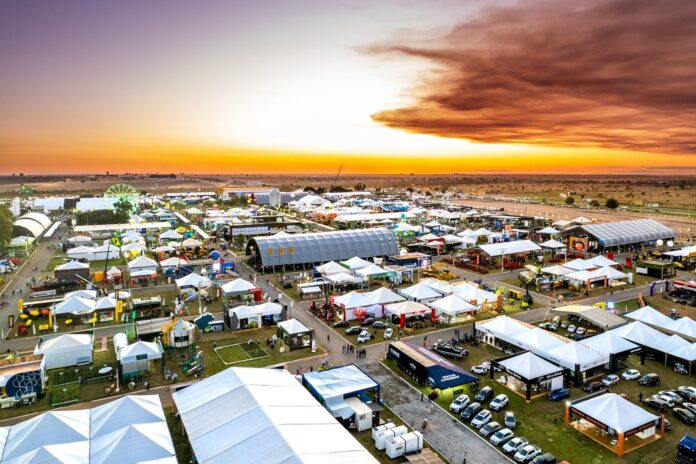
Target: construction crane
(338,174)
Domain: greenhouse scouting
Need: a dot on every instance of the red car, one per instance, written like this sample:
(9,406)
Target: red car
(592,386)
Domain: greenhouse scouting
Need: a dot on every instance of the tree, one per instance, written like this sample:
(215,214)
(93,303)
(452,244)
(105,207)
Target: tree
(123,207)
(612,203)
(101,216)
(594,203)
(570,200)
(359,187)
(6,221)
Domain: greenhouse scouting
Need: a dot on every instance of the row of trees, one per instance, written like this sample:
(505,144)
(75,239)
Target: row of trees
(611,203)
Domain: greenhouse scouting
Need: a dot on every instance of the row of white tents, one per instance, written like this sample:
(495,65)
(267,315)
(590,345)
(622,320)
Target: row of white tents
(131,429)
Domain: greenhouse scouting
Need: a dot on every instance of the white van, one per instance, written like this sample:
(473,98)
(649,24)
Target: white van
(364,337)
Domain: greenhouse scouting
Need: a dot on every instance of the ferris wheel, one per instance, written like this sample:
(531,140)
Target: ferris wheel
(122,192)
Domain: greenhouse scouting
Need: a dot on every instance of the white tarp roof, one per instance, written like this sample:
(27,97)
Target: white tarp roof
(75,305)
(553,243)
(274,420)
(673,343)
(351,300)
(127,410)
(171,234)
(371,270)
(472,293)
(49,428)
(355,263)
(420,292)
(684,326)
(607,272)
(72,265)
(134,443)
(503,327)
(601,261)
(268,309)
(64,342)
(332,267)
(243,312)
(4,431)
(339,381)
(548,231)
(406,307)
(641,334)
(194,280)
(237,286)
(578,265)
(609,343)
(650,315)
(687,353)
(571,354)
(556,270)
(529,366)
(142,262)
(538,340)
(615,412)
(106,302)
(509,248)
(63,453)
(88,294)
(173,261)
(293,326)
(152,350)
(342,277)
(383,295)
(452,305)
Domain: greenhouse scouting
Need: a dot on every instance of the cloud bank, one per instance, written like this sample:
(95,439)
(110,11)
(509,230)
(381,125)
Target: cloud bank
(613,74)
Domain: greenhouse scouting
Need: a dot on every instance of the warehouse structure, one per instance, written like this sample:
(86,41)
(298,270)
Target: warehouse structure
(615,235)
(321,247)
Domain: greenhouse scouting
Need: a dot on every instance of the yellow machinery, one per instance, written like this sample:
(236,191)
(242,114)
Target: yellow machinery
(439,271)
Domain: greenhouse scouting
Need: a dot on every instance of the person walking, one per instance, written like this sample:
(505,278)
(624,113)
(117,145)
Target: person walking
(425,423)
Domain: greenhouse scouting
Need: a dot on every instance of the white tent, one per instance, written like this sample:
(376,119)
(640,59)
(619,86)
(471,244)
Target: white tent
(275,420)
(608,273)
(420,292)
(142,263)
(88,294)
(72,266)
(687,353)
(81,252)
(615,412)
(139,348)
(561,223)
(164,249)
(673,343)
(339,381)
(80,239)
(174,262)
(143,273)
(355,263)
(452,305)
(75,305)
(237,286)
(571,354)
(538,341)
(601,261)
(438,285)
(552,244)
(120,295)
(106,302)
(510,248)
(474,294)
(332,267)
(269,309)
(529,366)
(65,350)
(293,326)
(581,220)
(579,265)
(127,410)
(49,428)
(191,243)
(351,300)
(134,443)
(548,231)
(342,278)
(170,235)
(503,327)
(639,333)
(406,307)
(383,296)
(650,315)
(113,273)
(684,326)
(193,280)
(609,343)
(133,247)
(63,453)
(556,270)
(371,270)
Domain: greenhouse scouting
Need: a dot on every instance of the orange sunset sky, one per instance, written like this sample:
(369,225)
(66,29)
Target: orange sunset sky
(303,86)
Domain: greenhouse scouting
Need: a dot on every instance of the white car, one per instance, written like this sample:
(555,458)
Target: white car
(527,453)
(461,402)
(667,399)
(571,328)
(480,369)
(501,436)
(580,331)
(691,390)
(631,374)
(609,380)
(676,398)
(364,337)
(388,333)
(481,419)
(515,445)
(499,402)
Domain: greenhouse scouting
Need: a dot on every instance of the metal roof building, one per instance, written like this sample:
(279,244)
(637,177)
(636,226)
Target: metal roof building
(625,232)
(321,247)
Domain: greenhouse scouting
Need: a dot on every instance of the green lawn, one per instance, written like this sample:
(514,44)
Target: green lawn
(661,304)
(541,420)
(240,352)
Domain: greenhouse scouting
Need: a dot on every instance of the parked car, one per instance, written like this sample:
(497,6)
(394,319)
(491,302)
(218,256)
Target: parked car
(364,337)
(354,330)
(675,397)
(580,331)
(379,325)
(546,458)
(559,394)
(340,324)
(461,402)
(489,429)
(691,390)
(499,402)
(649,380)
(479,370)
(667,399)
(592,386)
(484,394)
(481,419)
(631,374)
(668,424)
(388,333)
(501,436)
(470,411)
(510,420)
(564,324)
(571,328)
(527,453)
(684,415)
(686,395)
(548,326)
(609,380)
(656,403)
(556,320)
(515,444)
(368,321)
(576,337)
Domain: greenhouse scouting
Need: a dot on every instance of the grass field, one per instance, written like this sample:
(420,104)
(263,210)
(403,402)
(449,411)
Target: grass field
(661,304)
(240,352)
(541,421)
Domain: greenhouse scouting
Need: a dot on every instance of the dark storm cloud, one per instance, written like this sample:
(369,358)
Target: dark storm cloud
(616,74)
